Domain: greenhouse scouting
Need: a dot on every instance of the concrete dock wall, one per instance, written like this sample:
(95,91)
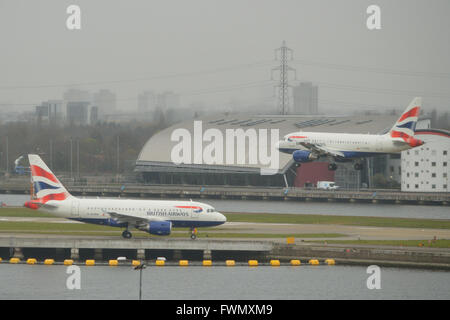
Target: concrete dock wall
(104,249)
(244,193)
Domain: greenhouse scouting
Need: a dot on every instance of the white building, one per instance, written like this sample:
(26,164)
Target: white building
(427,168)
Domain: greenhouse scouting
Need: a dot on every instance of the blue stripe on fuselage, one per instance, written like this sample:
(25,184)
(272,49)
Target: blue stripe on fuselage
(175,223)
(358,154)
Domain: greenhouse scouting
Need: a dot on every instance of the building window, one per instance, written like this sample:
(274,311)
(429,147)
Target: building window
(445,186)
(416,163)
(433,186)
(407,174)
(433,175)
(445,164)
(416,174)
(433,164)
(444,152)
(444,174)
(416,186)
(407,186)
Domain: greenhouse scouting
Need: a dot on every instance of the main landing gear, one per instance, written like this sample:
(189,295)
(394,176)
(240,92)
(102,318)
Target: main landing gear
(332,166)
(193,233)
(126,234)
(358,166)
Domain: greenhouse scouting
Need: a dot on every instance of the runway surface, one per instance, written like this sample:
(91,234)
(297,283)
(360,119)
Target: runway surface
(346,232)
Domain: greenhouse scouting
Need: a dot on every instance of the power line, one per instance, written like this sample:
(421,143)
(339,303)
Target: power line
(383,91)
(159,77)
(373,69)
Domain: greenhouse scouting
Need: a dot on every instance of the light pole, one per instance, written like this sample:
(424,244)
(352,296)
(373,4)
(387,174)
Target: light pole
(140,267)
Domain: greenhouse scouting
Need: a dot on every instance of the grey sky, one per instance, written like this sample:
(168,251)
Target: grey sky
(202,43)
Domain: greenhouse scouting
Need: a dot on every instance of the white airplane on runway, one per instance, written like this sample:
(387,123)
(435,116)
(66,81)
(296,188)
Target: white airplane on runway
(156,217)
(344,147)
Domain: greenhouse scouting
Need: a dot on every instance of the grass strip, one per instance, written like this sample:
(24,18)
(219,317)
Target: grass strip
(339,220)
(440,243)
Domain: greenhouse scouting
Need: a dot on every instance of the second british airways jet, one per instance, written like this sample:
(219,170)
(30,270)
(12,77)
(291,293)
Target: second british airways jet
(344,147)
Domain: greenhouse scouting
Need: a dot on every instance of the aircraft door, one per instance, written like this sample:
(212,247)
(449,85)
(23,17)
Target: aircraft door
(75,208)
(195,211)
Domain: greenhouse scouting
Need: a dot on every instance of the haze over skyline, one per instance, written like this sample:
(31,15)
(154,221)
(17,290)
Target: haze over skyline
(222,52)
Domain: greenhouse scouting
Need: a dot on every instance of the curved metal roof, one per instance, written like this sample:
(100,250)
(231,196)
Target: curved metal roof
(156,155)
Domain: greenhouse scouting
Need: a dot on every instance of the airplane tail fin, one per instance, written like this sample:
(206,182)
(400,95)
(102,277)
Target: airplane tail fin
(405,126)
(46,186)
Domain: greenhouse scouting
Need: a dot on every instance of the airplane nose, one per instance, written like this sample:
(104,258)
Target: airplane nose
(221,217)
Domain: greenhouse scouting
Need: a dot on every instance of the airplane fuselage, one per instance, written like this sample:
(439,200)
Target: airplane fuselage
(179,213)
(351,145)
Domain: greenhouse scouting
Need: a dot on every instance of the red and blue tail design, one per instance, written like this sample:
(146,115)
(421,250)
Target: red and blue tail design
(45,184)
(405,126)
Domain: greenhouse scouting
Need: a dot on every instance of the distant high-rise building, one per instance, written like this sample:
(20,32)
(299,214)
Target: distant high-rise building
(105,100)
(78,113)
(51,111)
(305,98)
(168,100)
(93,115)
(146,102)
(75,95)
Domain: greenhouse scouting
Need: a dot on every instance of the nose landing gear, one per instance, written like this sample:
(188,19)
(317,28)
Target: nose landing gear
(193,233)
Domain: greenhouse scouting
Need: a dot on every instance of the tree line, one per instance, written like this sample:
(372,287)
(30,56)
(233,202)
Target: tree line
(90,149)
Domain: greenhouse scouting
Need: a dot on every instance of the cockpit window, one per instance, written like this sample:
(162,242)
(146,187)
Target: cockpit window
(211,210)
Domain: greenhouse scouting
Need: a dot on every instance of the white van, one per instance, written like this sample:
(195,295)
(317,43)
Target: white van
(327,185)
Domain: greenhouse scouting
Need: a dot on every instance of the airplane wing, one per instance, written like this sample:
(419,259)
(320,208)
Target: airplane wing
(130,218)
(321,150)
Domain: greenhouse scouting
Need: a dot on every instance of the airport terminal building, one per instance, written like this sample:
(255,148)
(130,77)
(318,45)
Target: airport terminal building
(188,142)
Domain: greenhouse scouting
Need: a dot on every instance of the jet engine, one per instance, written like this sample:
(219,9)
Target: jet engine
(303,156)
(159,228)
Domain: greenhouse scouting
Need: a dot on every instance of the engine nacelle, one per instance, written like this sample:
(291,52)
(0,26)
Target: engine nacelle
(159,228)
(303,156)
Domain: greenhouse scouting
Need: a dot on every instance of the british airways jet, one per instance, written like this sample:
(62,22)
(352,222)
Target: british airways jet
(344,147)
(156,217)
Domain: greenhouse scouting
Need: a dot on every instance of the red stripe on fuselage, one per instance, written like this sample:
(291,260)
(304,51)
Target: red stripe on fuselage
(188,207)
(297,137)
(38,171)
(414,112)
